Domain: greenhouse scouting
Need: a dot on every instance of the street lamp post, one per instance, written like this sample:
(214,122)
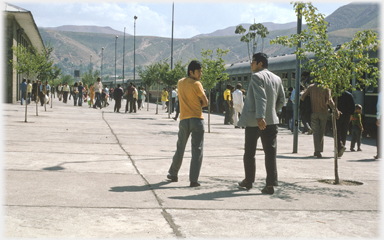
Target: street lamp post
(101,67)
(115,57)
(123,56)
(90,62)
(134,49)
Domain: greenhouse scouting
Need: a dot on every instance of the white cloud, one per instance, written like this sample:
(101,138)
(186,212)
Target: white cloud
(267,12)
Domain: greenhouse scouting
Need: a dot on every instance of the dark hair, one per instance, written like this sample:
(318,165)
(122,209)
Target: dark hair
(261,57)
(229,86)
(194,65)
(358,106)
(239,86)
(118,85)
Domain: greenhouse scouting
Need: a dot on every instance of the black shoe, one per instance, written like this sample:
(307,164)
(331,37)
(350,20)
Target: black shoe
(352,150)
(359,150)
(245,184)
(172,178)
(268,190)
(174,119)
(194,184)
(317,154)
(341,151)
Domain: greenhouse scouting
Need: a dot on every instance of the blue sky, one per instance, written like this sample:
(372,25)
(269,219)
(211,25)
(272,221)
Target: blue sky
(155,18)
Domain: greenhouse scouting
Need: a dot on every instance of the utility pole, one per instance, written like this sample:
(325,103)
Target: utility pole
(297,86)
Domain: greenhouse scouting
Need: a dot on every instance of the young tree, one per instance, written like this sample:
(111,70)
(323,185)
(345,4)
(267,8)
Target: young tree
(334,70)
(27,63)
(160,74)
(256,31)
(173,76)
(87,78)
(213,72)
(147,76)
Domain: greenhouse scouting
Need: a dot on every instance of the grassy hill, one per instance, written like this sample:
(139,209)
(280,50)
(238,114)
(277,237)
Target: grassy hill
(73,49)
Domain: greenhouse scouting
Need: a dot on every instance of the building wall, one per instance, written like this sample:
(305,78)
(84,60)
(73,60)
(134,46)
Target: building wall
(13,37)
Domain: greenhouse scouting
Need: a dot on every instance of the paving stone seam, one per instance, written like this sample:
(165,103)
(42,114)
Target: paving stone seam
(199,209)
(168,217)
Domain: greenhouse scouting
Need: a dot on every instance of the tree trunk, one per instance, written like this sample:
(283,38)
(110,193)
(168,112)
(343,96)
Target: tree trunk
(209,112)
(169,104)
(334,114)
(37,96)
(157,99)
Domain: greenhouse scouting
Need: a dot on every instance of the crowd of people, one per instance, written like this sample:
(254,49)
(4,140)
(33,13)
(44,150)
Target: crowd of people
(94,95)
(259,112)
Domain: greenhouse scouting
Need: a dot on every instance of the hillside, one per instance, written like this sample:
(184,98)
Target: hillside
(73,49)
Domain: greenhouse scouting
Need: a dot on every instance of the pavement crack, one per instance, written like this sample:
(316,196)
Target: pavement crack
(168,217)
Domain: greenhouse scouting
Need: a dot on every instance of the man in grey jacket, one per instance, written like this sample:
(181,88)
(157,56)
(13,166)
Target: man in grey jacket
(265,97)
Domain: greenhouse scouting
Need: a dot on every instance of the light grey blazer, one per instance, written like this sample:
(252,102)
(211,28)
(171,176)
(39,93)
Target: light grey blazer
(265,96)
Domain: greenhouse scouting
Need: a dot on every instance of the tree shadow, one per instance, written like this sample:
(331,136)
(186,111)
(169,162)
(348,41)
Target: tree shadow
(285,191)
(363,160)
(143,187)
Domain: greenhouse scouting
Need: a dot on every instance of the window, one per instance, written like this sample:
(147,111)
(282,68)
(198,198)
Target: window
(284,75)
(238,79)
(245,78)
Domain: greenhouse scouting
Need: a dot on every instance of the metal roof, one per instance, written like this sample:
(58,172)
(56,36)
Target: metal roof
(26,21)
(286,62)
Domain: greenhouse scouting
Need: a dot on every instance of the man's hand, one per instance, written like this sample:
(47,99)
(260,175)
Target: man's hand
(261,123)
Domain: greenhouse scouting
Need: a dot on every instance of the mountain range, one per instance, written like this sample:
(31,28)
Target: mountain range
(80,47)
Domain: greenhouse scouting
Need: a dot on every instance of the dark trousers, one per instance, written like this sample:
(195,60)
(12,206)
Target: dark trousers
(139,103)
(41,97)
(177,110)
(173,104)
(342,125)
(268,140)
(227,118)
(98,100)
(130,100)
(356,136)
(117,105)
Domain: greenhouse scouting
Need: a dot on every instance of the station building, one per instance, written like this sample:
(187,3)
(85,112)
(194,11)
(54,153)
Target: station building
(19,28)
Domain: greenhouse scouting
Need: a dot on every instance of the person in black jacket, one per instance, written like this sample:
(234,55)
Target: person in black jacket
(346,106)
(117,95)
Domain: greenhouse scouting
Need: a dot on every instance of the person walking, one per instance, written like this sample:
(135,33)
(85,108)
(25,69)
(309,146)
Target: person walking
(164,98)
(23,89)
(129,95)
(357,128)
(139,98)
(91,95)
(265,96)
(34,91)
(173,94)
(237,103)
(42,90)
(98,89)
(320,98)
(192,99)
(81,95)
(135,95)
(117,94)
(65,92)
(346,106)
(60,91)
(75,91)
(144,94)
(29,91)
(227,105)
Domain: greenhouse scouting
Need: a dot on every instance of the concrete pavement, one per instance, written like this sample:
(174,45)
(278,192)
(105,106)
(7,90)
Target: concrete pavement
(78,172)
